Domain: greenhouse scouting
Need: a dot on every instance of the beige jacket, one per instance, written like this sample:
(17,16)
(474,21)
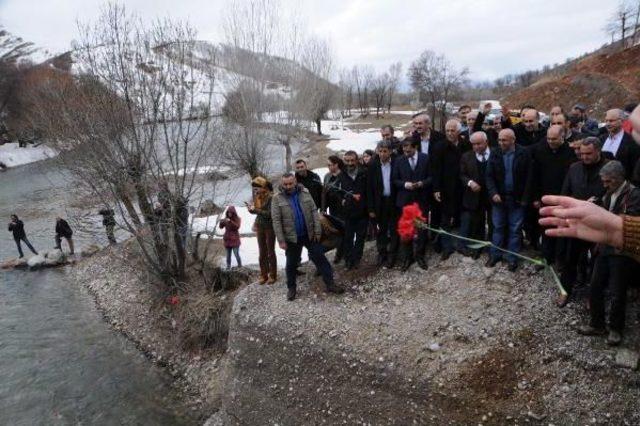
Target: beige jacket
(282,216)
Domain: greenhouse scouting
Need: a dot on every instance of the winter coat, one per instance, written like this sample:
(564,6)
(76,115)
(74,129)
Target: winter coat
(262,210)
(583,181)
(496,175)
(283,216)
(231,225)
(627,203)
(447,181)
(472,169)
(549,168)
(18,230)
(313,183)
(63,229)
(355,209)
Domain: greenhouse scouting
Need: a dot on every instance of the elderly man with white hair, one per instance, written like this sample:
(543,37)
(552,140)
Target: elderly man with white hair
(617,144)
(611,268)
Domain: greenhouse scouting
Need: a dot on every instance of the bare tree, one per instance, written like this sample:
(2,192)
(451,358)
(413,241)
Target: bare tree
(621,21)
(395,72)
(136,122)
(433,77)
(380,91)
(363,78)
(315,90)
(345,84)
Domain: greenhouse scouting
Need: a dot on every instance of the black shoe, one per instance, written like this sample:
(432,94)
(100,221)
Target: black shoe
(445,255)
(334,289)
(493,261)
(337,260)
(512,266)
(380,260)
(423,263)
(465,252)
(614,338)
(405,265)
(437,247)
(588,330)
(291,294)
(475,255)
(317,273)
(391,263)
(299,273)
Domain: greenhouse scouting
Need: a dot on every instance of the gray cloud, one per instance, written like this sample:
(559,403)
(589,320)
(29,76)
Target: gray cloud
(490,37)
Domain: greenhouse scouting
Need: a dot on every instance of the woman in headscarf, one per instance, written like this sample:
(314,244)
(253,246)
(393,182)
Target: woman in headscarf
(261,207)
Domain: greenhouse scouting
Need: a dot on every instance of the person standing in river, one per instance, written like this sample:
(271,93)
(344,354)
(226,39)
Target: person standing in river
(17,227)
(63,230)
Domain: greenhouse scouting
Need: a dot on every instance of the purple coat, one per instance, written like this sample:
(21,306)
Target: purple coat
(231,227)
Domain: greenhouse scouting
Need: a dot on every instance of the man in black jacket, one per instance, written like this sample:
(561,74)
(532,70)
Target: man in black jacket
(332,196)
(413,182)
(16,226)
(618,144)
(582,182)
(611,268)
(529,131)
(476,208)
(387,133)
(381,204)
(551,160)
(354,186)
(430,142)
(446,185)
(509,185)
(63,230)
(309,180)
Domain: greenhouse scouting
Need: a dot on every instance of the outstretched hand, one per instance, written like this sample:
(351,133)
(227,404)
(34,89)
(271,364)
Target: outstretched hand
(569,217)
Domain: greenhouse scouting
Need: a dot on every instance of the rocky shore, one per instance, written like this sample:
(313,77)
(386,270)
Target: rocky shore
(458,344)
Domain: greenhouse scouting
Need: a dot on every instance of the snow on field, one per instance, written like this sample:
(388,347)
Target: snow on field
(344,139)
(248,242)
(13,156)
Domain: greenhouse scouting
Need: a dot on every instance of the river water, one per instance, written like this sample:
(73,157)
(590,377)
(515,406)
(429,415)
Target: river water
(59,362)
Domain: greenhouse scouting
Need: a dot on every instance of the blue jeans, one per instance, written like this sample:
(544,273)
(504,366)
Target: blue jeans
(507,216)
(236,252)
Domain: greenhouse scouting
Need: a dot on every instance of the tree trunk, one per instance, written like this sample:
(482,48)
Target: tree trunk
(288,155)
(319,126)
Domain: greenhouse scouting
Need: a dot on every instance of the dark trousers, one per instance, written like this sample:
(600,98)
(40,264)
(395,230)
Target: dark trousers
(550,248)
(26,241)
(267,253)
(316,254)
(435,221)
(507,218)
(474,224)
(574,258)
(110,235)
(450,222)
(355,231)
(609,271)
(387,221)
(532,227)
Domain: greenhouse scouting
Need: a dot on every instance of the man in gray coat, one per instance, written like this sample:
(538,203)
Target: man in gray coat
(296,223)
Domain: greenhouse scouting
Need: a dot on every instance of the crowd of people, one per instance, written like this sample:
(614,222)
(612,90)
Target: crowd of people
(483,179)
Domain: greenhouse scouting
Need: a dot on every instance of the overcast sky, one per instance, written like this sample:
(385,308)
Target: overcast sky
(491,37)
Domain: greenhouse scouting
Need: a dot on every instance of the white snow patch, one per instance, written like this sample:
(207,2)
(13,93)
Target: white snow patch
(346,139)
(11,155)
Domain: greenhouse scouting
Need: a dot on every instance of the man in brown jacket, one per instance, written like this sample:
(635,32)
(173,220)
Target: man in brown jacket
(296,223)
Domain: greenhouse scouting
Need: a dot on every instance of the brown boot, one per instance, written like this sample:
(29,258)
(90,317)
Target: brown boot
(272,279)
(262,280)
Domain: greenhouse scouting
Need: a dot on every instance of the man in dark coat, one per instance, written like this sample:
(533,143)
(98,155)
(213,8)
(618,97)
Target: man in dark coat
(354,193)
(109,223)
(529,131)
(413,182)
(387,133)
(509,185)
(611,268)
(431,143)
(381,204)
(16,226)
(582,182)
(63,230)
(332,196)
(309,180)
(618,144)
(476,214)
(446,185)
(551,160)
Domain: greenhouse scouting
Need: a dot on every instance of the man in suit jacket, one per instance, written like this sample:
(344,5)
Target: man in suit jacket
(381,203)
(476,208)
(431,143)
(508,182)
(412,180)
(619,145)
(353,182)
(446,185)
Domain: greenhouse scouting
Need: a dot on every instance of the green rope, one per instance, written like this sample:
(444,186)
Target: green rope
(478,244)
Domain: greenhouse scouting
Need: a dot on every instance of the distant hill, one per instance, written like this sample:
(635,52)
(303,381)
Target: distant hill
(602,80)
